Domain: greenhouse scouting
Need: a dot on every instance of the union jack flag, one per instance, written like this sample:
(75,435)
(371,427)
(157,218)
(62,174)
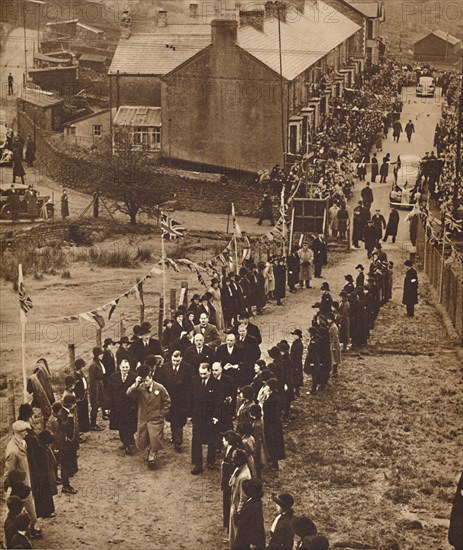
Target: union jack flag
(170,229)
(25,303)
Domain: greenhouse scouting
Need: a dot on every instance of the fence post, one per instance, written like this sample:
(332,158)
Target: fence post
(348,235)
(11,403)
(142,313)
(185,295)
(98,337)
(161,316)
(72,355)
(121,327)
(173,302)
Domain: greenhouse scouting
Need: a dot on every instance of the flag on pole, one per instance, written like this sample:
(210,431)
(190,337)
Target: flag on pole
(236,227)
(170,229)
(25,303)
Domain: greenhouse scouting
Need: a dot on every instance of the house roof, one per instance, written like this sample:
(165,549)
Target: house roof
(304,41)
(93,57)
(89,28)
(369,8)
(443,36)
(137,116)
(86,117)
(39,98)
(151,54)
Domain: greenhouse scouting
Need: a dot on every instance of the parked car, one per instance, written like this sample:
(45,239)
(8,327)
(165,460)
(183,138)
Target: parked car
(425,87)
(402,194)
(7,190)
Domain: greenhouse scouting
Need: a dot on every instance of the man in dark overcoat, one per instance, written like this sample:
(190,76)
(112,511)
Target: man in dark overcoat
(230,357)
(96,374)
(229,394)
(176,378)
(204,410)
(208,330)
(319,254)
(379,222)
(293,263)
(145,345)
(250,353)
(109,358)
(367,195)
(198,353)
(392,225)
(296,352)
(253,330)
(266,212)
(410,294)
(123,415)
(374,168)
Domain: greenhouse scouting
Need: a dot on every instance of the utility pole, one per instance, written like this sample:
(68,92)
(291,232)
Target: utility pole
(283,136)
(457,182)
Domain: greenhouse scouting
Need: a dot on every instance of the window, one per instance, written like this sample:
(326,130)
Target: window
(97,130)
(147,138)
(369,29)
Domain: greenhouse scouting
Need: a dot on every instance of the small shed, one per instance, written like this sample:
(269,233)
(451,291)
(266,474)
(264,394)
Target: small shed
(43,108)
(90,129)
(437,47)
(142,124)
(98,63)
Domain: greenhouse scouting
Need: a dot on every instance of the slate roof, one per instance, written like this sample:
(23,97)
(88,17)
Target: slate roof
(304,41)
(137,116)
(369,8)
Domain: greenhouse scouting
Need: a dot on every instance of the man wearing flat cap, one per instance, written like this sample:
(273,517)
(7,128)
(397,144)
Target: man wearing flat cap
(410,294)
(145,345)
(281,533)
(16,459)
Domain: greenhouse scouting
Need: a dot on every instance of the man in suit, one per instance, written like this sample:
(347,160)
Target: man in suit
(229,393)
(145,345)
(229,355)
(124,353)
(410,293)
(153,407)
(253,330)
(198,353)
(123,415)
(176,378)
(204,410)
(250,353)
(109,358)
(208,330)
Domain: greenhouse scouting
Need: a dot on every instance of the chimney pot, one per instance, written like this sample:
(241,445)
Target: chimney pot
(162,18)
(254,18)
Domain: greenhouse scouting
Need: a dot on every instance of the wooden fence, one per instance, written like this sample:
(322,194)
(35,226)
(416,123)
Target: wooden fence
(446,278)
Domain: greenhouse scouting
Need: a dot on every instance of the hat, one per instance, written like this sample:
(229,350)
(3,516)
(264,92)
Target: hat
(79,364)
(261,363)
(234,438)
(243,315)
(253,488)
(20,426)
(272,383)
(283,346)
(206,296)
(248,392)
(136,330)
(69,400)
(378,246)
(348,277)
(303,526)
(343,294)
(274,352)
(196,297)
(166,322)
(285,500)
(14,504)
(97,351)
(317,305)
(69,380)
(22,522)
(145,328)
(150,360)
(143,371)
(325,286)
(45,437)
(408,263)
(359,266)
(297,332)
(178,313)
(16,476)
(124,340)
(25,412)
(108,342)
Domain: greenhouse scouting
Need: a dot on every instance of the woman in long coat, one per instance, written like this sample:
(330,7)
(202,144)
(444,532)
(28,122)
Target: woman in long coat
(296,352)
(273,430)
(456,518)
(238,496)
(374,168)
(392,225)
(250,530)
(279,272)
(30,151)
(96,376)
(293,269)
(384,170)
(47,487)
(18,168)
(81,393)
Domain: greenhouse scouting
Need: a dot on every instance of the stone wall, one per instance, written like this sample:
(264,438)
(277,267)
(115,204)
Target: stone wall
(82,173)
(37,236)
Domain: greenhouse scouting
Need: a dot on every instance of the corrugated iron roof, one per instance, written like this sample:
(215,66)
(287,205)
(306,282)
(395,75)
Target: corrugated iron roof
(442,35)
(303,42)
(40,98)
(128,115)
(154,54)
(369,8)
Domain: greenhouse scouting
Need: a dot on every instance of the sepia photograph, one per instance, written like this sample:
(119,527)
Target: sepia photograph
(231,274)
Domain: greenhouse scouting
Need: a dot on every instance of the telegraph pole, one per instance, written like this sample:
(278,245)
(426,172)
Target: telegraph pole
(457,183)
(283,138)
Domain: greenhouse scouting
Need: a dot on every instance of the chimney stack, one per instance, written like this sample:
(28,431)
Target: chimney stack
(162,18)
(224,34)
(273,10)
(253,18)
(193,10)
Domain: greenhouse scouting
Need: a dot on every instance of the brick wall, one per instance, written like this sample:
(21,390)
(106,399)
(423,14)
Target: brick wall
(44,234)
